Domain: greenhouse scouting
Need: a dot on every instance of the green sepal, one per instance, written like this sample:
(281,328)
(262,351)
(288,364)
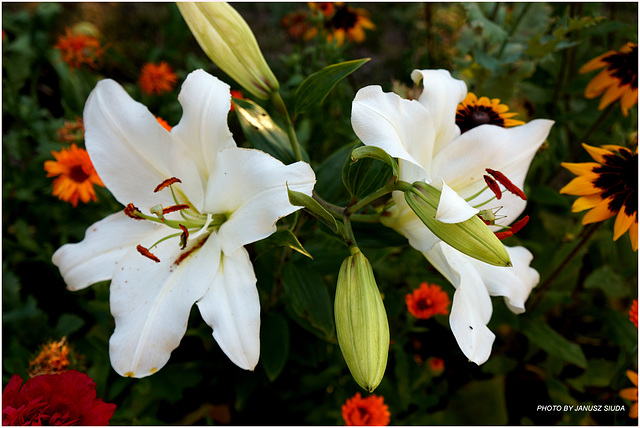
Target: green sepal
(376,153)
(314,208)
(315,88)
(471,237)
(285,238)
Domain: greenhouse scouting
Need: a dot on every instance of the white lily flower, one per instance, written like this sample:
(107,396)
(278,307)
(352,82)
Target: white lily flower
(227,197)
(423,135)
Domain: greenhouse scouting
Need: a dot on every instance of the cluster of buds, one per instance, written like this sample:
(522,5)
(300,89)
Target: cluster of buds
(361,321)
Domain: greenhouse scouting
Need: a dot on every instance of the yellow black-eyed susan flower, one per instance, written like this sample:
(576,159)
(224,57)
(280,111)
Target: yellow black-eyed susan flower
(618,80)
(343,22)
(608,187)
(474,111)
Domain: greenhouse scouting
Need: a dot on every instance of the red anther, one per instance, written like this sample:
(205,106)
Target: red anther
(148,254)
(166,183)
(493,186)
(130,210)
(173,208)
(507,183)
(515,228)
(184,236)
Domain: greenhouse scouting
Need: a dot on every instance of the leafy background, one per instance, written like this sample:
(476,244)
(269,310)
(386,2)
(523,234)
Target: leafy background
(572,346)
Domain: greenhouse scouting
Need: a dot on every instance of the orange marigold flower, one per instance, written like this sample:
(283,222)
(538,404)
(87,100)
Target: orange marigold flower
(71,131)
(79,49)
(607,187)
(371,411)
(164,123)
(76,175)
(474,111)
(157,78)
(618,80)
(633,313)
(53,359)
(427,301)
(631,394)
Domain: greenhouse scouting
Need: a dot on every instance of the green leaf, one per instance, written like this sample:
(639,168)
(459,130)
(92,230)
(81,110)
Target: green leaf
(366,175)
(315,88)
(478,401)
(285,238)
(314,208)
(262,132)
(548,339)
(69,323)
(308,298)
(608,280)
(274,344)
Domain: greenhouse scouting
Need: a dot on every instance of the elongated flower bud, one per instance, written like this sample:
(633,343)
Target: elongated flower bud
(471,237)
(227,39)
(361,321)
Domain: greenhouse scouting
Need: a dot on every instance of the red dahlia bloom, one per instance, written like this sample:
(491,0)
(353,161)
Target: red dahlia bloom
(67,398)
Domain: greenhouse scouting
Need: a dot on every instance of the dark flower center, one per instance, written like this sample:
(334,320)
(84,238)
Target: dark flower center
(618,177)
(344,19)
(77,174)
(624,67)
(424,304)
(471,116)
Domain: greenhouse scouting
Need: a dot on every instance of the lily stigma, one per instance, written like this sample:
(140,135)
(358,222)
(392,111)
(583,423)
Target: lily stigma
(201,200)
(472,170)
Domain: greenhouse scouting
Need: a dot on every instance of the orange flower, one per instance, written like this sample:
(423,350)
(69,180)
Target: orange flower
(427,301)
(296,24)
(436,364)
(343,22)
(632,394)
(157,78)
(474,111)
(369,411)
(76,175)
(237,94)
(619,79)
(164,123)
(71,131)
(633,313)
(53,359)
(79,49)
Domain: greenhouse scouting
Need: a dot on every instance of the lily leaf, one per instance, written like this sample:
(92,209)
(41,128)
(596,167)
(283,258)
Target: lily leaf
(365,176)
(274,344)
(284,238)
(262,132)
(548,339)
(315,88)
(314,208)
(375,153)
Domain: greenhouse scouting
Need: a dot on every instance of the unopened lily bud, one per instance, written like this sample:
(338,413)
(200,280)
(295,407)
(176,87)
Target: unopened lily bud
(361,321)
(229,42)
(471,237)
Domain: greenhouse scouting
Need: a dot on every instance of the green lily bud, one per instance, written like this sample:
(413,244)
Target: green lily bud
(227,39)
(471,237)
(361,321)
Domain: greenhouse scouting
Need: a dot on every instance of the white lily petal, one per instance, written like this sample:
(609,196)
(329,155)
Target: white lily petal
(463,162)
(151,302)
(402,128)
(232,308)
(452,208)
(131,152)
(203,129)
(514,283)
(471,309)
(441,96)
(252,186)
(103,248)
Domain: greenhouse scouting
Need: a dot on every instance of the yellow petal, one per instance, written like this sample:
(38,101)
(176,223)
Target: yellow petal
(629,394)
(598,84)
(633,236)
(582,185)
(633,377)
(597,153)
(601,212)
(613,93)
(595,63)
(586,202)
(623,221)
(580,168)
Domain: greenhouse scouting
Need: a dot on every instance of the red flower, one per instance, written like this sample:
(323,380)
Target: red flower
(427,301)
(633,313)
(157,78)
(369,411)
(67,398)
(79,49)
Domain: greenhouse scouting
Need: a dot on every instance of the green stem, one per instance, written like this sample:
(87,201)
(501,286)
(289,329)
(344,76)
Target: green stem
(349,237)
(278,103)
(540,290)
(598,122)
(388,188)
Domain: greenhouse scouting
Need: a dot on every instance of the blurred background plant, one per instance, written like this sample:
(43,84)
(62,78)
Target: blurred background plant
(574,344)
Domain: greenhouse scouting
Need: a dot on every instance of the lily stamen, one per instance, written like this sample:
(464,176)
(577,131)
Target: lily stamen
(148,254)
(493,185)
(515,228)
(174,208)
(166,183)
(502,179)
